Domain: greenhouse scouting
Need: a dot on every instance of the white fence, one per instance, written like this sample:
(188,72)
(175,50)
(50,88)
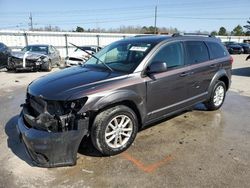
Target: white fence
(18,39)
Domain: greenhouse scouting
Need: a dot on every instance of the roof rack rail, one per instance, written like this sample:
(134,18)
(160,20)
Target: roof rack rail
(144,35)
(191,34)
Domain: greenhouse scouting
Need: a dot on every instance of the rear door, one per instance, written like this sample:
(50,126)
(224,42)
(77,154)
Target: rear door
(167,91)
(201,69)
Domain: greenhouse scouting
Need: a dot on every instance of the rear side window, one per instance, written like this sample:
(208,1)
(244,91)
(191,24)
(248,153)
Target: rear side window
(172,54)
(216,50)
(197,52)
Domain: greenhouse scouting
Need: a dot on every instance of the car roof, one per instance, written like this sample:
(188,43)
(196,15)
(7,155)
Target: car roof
(159,38)
(147,38)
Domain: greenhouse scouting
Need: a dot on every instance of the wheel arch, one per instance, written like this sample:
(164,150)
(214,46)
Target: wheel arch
(222,76)
(126,98)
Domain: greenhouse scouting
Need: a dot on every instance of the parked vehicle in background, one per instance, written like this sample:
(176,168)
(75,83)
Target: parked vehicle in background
(79,56)
(127,85)
(246,47)
(233,47)
(4,54)
(34,57)
(248,57)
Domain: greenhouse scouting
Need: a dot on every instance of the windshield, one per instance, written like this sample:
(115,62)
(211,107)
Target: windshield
(37,49)
(121,56)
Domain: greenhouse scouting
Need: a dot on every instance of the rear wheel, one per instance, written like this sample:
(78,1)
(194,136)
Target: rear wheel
(217,97)
(114,130)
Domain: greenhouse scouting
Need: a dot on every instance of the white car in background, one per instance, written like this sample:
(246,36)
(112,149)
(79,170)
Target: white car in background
(79,56)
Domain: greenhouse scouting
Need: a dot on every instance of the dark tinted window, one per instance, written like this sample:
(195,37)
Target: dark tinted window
(216,50)
(172,54)
(196,52)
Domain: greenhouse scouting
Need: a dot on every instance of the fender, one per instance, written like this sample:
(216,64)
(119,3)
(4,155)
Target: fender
(217,76)
(98,103)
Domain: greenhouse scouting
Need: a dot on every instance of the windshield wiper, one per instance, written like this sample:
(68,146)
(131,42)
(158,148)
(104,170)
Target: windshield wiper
(108,67)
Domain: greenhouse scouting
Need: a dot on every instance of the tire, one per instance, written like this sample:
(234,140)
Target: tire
(9,69)
(48,67)
(109,143)
(219,92)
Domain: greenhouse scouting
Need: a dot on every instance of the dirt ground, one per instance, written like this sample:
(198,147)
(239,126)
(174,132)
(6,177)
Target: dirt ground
(192,149)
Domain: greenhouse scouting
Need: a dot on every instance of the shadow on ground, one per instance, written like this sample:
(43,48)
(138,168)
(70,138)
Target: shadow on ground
(13,140)
(86,146)
(242,71)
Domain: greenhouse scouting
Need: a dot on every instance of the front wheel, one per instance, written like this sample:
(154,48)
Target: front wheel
(114,130)
(48,66)
(217,97)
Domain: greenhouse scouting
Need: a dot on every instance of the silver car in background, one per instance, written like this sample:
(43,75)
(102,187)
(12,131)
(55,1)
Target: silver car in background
(79,55)
(34,57)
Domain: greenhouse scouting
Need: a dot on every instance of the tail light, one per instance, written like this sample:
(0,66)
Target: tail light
(231,60)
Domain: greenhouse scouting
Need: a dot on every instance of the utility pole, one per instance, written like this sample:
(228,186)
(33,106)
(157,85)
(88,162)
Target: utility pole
(31,22)
(155,25)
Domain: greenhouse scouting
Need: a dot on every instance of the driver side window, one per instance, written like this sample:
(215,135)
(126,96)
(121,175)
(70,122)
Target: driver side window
(172,54)
(115,55)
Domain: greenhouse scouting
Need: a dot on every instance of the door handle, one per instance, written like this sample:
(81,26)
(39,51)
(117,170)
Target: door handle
(213,65)
(184,74)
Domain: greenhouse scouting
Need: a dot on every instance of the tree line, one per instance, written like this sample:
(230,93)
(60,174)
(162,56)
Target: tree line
(237,31)
(130,29)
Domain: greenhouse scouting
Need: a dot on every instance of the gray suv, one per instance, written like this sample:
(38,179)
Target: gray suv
(124,87)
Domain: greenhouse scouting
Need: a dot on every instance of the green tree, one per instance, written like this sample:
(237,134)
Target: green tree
(238,31)
(247,33)
(222,31)
(79,29)
(248,25)
(213,33)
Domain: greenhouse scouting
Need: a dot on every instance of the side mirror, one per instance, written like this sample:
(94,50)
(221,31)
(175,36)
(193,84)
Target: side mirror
(157,67)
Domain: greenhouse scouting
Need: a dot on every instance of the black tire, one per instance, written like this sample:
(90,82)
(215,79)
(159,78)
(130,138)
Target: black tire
(211,103)
(48,66)
(100,126)
(9,69)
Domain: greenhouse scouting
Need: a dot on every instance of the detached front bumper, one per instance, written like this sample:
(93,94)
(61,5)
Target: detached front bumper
(51,149)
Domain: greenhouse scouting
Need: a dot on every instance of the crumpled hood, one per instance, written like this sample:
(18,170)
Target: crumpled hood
(29,55)
(68,83)
(78,54)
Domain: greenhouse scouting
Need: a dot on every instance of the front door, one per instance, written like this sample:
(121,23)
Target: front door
(167,91)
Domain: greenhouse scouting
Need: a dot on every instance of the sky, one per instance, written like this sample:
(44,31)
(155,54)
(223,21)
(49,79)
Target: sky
(185,15)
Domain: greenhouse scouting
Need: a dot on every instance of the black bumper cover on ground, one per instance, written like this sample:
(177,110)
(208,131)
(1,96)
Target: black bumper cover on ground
(50,149)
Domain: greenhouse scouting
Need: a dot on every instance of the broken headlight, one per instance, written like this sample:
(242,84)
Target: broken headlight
(44,59)
(75,105)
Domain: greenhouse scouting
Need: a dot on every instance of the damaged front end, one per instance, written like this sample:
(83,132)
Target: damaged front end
(52,130)
(27,61)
